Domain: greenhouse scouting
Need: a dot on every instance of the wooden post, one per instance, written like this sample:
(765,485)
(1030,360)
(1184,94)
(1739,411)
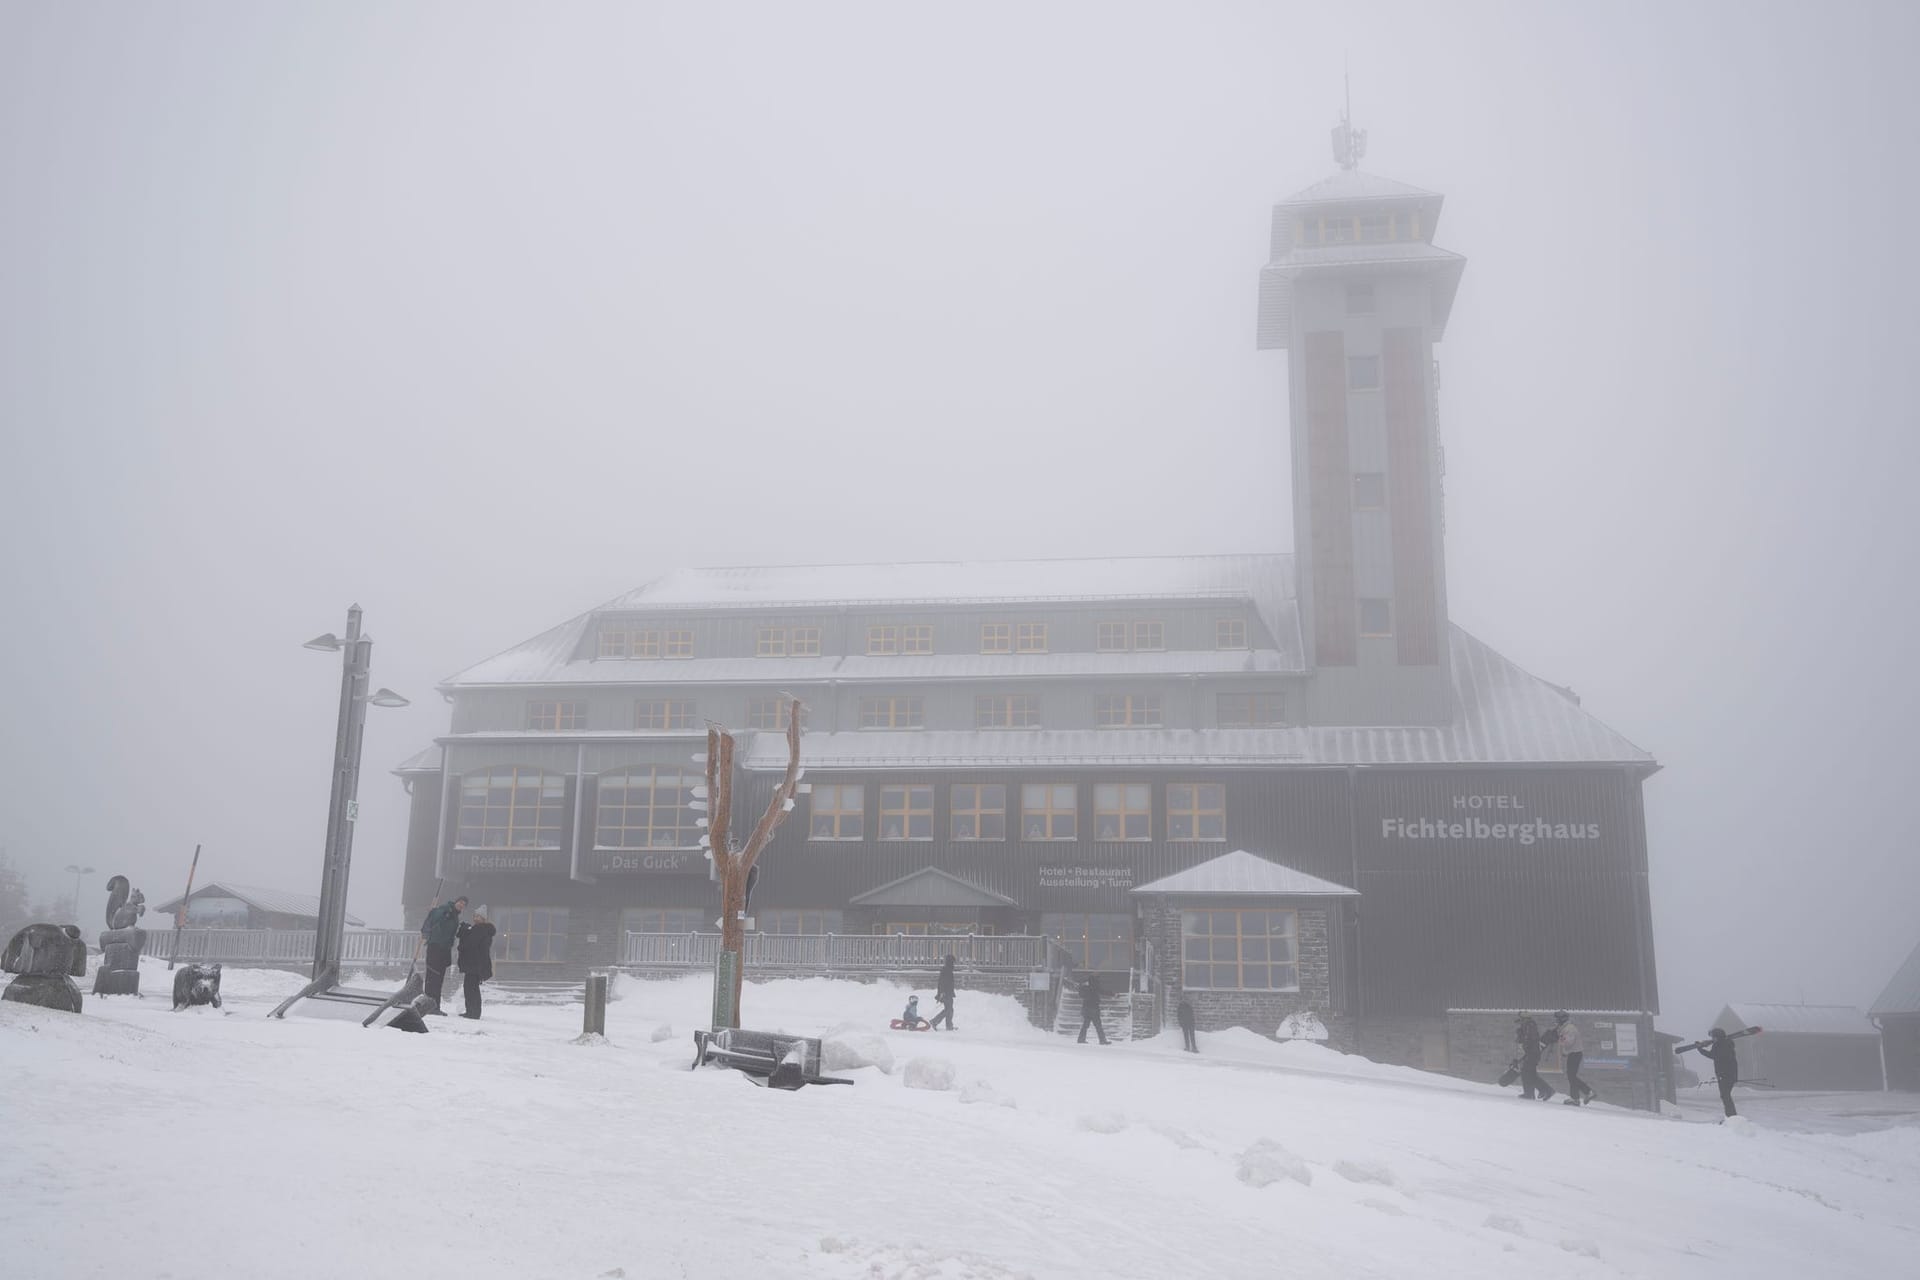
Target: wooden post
(596,1020)
(731,865)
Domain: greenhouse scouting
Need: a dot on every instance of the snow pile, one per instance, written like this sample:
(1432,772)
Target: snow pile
(849,1050)
(661,1033)
(930,1073)
(1266,1162)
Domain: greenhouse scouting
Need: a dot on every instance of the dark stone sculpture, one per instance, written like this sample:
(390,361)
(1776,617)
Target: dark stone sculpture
(122,943)
(196,984)
(48,957)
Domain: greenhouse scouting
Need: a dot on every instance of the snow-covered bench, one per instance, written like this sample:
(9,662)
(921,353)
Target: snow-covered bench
(783,1061)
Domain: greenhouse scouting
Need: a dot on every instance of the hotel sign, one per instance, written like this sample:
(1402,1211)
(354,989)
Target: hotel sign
(1065,877)
(1488,817)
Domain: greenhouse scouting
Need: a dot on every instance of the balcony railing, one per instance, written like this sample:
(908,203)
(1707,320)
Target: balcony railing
(359,947)
(830,952)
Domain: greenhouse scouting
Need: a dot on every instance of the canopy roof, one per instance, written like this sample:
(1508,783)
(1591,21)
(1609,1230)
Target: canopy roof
(931,887)
(1242,874)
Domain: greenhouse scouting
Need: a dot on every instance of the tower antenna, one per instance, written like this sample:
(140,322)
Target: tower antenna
(1349,143)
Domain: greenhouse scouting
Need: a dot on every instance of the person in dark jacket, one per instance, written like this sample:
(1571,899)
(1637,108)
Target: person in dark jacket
(943,992)
(1526,1033)
(476,959)
(440,928)
(1726,1066)
(1090,1007)
(1185,1012)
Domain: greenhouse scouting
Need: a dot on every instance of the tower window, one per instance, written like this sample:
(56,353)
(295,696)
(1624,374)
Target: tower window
(1369,489)
(1230,633)
(1359,299)
(1363,373)
(1376,617)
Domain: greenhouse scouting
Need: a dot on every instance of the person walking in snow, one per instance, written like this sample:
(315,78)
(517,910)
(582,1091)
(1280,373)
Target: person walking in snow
(1567,1035)
(1185,1013)
(943,993)
(440,928)
(1526,1033)
(1726,1066)
(1090,1007)
(476,959)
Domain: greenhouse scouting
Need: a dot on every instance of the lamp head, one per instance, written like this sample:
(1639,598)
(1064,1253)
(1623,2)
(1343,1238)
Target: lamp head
(329,642)
(385,697)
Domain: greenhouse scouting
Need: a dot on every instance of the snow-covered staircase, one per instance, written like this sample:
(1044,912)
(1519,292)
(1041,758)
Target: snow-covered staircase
(1116,1013)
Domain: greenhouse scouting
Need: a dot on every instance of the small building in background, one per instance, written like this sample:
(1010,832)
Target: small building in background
(1897,1013)
(226,905)
(1806,1046)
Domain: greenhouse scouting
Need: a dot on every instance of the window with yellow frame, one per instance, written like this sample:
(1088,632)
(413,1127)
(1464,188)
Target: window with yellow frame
(996,637)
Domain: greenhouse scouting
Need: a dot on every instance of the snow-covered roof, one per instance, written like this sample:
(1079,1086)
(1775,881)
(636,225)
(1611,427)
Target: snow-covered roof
(277,901)
(1800,1019)
(1503,715)
(1903,992)
(1351,185)
(931,887)
(1263,581)
(1243,873)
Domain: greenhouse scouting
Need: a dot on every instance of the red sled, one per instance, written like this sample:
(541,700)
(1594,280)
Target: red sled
(921,1024)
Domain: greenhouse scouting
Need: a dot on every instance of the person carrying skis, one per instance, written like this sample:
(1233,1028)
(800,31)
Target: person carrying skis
(1090,1007)
(943,992)
(1726,1066)
(440,928)
(1526,1033)
(1567,1035)
(476,959)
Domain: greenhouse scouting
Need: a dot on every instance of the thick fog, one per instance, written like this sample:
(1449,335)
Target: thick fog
(480,315)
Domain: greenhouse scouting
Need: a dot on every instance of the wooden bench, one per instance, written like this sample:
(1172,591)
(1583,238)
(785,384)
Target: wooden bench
(781,1061)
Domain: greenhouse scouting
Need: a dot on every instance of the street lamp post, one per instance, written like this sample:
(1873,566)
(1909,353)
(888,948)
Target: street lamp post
(77,873)
(356,661)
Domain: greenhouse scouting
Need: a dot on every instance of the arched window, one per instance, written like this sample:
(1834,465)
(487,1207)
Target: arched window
(512,806)
(646,808)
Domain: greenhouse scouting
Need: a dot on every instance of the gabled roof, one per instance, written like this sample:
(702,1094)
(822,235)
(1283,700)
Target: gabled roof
(277,901)
(1244,874)
(1350,186)
(1903,991)
(1800,1019)
(931,887)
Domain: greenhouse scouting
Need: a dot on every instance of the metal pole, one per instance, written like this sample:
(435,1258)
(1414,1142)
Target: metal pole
(326,959)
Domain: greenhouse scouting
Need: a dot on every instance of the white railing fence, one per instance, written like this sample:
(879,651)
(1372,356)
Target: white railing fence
(363,947)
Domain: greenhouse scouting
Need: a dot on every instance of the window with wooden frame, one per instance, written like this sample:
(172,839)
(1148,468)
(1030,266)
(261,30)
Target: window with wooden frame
(667,920)
(906,811)
(803,642)
(996,637)
(1049,811)
(1112,637)
(1149,636)
(892,713)
(646,808)
(663,713)
(556,715)
(1127,710)
(677,644)
(1122,637)
(1196,811)
(770,642)
(511,807)
(838,811)
(979,811)
(644,644)
(1103,942)
(1123,811)
(1006,711)
(614,642)
(1250,710)
(1030,637)
(1243,950)
(1230,633)
(916,637)
(883,641)
(1376,617)
(772,713)
(798,920)
(531,935)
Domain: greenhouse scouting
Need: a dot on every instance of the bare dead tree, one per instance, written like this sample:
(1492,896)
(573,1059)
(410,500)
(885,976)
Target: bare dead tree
(733,866)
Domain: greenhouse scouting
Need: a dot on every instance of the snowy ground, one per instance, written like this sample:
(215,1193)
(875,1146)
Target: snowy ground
(137,1142)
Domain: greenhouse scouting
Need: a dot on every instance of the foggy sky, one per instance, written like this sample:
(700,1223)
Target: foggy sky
(481,315)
